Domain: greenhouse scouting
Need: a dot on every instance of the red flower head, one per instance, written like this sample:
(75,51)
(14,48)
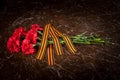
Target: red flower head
(19,32)
(13,43)
(32,36)
(36,27)
(32,33)
(27,47)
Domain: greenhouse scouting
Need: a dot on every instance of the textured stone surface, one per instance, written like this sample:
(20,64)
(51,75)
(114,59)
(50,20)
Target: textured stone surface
(91,62)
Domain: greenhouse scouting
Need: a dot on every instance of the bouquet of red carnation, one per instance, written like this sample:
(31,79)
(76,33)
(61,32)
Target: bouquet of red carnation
(22,40)
(25,41)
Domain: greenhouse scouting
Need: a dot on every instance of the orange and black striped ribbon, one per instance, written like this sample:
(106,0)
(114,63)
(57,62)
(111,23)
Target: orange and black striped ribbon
(55,34)
(56,41)
(43,45)
(67,40)
(50,55)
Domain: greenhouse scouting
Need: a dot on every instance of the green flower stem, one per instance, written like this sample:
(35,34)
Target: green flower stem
(51,42)
(79,39)
(39,39)
(39,32)
(82,41)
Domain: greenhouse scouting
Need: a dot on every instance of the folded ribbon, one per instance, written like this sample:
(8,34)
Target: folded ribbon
(51,32)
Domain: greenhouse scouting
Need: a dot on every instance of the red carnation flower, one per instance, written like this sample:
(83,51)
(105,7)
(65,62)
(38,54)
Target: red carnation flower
(36,27)
(19,32)
(27,47)
(32,36)
(13,43)
(32,33)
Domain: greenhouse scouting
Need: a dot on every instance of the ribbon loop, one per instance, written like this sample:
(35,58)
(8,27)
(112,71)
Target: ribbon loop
(67,40)
(50,31)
